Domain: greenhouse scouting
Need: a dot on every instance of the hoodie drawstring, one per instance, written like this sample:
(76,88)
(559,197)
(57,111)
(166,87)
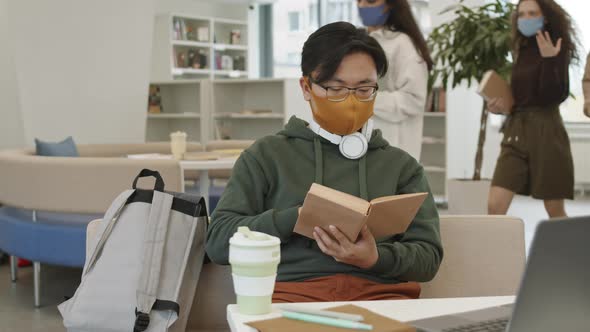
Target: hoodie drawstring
(363,178)
(319,161)
(319,169)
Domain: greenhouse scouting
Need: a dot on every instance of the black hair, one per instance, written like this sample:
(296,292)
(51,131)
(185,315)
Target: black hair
(326,47)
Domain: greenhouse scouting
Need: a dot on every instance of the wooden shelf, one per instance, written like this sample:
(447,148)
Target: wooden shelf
(435,114)
(167,44)
(184,71)
(230,47)
(174,82)
(239,116)
(230,21)
(174,116)
(191,43)
(231,73)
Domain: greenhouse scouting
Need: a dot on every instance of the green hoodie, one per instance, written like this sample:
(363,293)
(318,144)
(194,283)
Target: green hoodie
(270,181)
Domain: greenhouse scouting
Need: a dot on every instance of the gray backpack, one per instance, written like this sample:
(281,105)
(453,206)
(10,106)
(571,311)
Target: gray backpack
(145,263)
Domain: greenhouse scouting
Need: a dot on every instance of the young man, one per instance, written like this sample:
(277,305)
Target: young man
(341,66)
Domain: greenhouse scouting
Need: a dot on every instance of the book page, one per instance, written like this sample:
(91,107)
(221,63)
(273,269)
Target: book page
(392,215)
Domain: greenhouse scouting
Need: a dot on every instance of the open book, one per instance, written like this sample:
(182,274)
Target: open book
(493,85)
(385,216)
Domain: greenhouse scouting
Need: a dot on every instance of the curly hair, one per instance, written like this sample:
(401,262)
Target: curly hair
(559,24)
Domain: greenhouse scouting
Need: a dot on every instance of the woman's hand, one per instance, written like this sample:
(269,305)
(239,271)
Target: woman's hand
(363,253)
(546,47)
(497,106)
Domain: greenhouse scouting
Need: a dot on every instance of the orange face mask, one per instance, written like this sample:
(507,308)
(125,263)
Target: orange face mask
(343,117)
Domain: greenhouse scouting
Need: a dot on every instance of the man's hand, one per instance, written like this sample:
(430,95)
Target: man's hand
(362,254)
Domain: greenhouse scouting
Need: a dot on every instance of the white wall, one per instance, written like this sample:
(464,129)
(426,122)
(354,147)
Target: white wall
(11,124)
(224,9)
(82,68)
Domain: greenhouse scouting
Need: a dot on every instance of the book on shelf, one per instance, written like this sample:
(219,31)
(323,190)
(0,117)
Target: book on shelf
(385,216)
(176,28)
(154,100)
(436,100)
(182,29)
(203,34)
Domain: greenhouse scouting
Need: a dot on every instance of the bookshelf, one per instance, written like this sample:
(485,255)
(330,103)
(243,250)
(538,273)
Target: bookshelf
(433,156)
(215,109)
(195,47)
(182,105)
(251,109)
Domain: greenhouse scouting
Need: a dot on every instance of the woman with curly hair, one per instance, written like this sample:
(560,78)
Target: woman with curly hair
(536,158)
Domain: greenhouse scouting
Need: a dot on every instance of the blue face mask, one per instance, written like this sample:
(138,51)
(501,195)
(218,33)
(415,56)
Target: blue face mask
(529,27)
(373,16)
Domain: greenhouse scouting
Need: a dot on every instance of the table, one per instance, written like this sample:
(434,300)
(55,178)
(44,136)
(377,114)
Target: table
(204,166)
(402,310)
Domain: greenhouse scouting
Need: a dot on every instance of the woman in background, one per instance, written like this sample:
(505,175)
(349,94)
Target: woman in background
(536,158)
(403,91)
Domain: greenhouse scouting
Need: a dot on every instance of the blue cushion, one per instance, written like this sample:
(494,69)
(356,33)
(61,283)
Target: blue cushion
(65,148)
(56,238)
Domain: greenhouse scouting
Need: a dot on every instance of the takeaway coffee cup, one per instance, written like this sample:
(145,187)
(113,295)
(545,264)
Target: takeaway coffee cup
(254,258)
(178,144)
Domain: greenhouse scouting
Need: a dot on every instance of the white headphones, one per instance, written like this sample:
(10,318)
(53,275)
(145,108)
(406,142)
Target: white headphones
(353,146)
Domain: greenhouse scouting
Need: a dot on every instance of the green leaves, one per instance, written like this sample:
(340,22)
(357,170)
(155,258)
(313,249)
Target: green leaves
(477,40)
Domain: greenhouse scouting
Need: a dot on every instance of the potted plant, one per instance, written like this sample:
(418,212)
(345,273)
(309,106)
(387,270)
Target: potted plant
(475,41)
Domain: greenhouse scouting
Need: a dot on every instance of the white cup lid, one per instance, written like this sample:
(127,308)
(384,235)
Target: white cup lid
(245,237)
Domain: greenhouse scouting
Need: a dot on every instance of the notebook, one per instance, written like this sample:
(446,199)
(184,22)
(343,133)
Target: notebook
(385,216)
(493,85)
(380,323)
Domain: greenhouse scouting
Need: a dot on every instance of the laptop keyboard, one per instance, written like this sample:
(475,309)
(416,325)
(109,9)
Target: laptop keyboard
(496,325)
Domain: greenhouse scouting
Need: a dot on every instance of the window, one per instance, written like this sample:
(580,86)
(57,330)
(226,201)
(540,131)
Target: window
(294,58)
(294,21)
(572,109)
(304,17)
(342,10)
(290,16)
(313,15)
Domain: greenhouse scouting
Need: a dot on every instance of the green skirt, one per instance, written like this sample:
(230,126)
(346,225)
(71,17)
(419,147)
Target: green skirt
(536,157)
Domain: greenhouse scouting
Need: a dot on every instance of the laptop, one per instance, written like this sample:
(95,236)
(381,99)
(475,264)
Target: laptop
(554,293)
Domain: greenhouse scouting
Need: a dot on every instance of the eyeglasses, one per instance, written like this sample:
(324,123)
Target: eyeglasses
(340,93)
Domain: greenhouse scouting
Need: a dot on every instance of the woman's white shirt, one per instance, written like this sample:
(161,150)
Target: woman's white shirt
(400,103)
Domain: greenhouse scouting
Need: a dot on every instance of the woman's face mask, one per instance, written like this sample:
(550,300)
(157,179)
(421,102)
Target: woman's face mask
(374,16)
(341,117)
(530,26)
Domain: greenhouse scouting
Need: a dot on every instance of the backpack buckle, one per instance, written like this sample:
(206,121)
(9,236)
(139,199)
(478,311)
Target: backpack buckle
(142,321)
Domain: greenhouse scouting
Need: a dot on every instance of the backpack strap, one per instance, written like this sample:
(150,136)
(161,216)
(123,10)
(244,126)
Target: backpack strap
(108,221)
(154,243)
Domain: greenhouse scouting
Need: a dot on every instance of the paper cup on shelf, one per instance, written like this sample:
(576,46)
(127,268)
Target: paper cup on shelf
(178,144)
(254,258)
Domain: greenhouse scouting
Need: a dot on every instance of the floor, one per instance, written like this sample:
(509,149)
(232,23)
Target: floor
(16,299)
